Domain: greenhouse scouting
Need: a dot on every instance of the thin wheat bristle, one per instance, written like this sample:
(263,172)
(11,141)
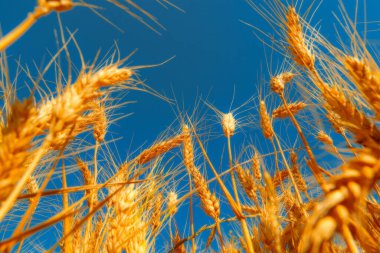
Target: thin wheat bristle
(283,112)
(265,121)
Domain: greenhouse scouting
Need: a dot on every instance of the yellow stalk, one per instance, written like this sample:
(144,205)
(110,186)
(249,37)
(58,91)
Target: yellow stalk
(232,173)
(67,244)
(316,172)
(237,211)
(22,28)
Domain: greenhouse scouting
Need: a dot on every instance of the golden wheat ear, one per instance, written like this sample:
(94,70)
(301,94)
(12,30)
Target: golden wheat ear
(297,43)
(265,121)
(284,112)
(366,79)
(159,149)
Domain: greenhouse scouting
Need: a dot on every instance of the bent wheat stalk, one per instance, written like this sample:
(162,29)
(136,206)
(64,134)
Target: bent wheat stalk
(44,7)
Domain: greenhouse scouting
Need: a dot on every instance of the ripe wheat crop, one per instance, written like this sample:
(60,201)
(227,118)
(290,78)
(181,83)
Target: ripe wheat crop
(288,199)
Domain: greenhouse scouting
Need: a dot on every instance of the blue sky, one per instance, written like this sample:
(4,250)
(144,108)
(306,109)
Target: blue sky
(216,55)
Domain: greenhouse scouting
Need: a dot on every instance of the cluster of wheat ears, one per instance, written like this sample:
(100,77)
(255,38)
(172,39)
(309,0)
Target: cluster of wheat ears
(294,204)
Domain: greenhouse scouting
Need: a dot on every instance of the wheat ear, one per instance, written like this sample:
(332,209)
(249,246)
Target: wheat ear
(367,79)
(297,43)
(265,121)
(282,112)
(159,149)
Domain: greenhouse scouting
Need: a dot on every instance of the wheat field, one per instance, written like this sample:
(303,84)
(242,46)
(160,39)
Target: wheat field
(172,195)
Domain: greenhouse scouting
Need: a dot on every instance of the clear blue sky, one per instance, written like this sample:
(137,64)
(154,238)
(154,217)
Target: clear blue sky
(216,54)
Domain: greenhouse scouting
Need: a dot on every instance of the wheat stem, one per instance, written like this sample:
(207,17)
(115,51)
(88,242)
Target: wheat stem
(24,26)
(67,244)
(314,168)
